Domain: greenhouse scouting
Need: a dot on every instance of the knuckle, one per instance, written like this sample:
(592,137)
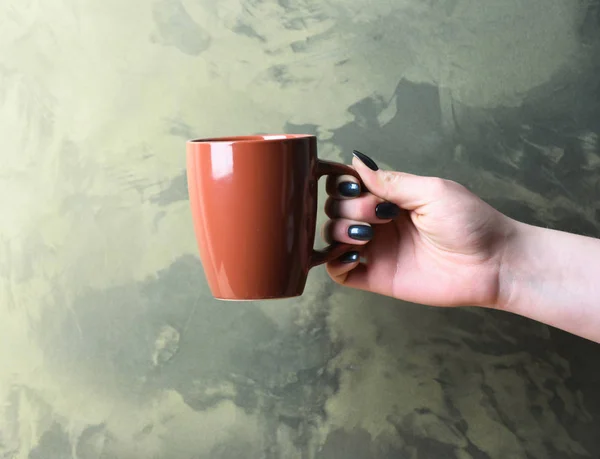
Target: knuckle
(390,181)
(365,210)
(456,186)
(390,178)
(356,209)
(450,186)
(438,186)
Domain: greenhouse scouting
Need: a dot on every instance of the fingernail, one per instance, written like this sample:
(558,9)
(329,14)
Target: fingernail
(360,232)
(349,257)
(349,189)
(387,210)
(366,160)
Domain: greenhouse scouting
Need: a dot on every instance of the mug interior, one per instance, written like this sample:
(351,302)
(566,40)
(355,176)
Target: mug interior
(252,138)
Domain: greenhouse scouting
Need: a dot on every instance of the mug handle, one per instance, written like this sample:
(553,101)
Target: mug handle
(336,249)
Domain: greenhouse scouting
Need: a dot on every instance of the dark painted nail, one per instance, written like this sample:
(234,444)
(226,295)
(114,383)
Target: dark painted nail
(349,189)
(350,257)
(360,232)
(387,210)
(366,160)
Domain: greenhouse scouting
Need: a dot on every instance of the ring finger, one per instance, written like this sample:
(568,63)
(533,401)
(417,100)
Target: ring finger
(347,231)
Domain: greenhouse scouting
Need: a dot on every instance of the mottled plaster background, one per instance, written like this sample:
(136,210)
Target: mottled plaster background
(111,346)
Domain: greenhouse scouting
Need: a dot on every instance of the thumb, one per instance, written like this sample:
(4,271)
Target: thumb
(407,191)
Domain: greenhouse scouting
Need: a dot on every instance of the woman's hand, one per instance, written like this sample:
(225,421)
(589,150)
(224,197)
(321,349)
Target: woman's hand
(430,241)
(424,239)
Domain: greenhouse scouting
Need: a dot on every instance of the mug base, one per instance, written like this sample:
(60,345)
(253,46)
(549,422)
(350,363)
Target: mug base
(257,299)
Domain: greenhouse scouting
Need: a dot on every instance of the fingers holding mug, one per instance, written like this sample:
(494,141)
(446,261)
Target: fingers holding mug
(347,231)
(343,187)
(366,208)
(339,268)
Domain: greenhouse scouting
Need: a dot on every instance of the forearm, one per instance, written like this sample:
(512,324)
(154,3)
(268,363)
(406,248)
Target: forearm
(552,277)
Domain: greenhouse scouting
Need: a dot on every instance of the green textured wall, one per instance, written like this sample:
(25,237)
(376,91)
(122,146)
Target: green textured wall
(110,344)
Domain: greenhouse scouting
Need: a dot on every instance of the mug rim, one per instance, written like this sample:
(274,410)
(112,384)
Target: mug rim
(250,138)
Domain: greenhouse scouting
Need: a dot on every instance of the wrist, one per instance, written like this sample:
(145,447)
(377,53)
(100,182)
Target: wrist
(551,277)
(512,261)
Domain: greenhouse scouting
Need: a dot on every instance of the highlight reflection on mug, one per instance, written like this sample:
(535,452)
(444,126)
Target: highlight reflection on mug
(221,159)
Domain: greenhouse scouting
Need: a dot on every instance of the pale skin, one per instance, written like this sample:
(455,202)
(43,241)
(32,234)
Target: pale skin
(447,247)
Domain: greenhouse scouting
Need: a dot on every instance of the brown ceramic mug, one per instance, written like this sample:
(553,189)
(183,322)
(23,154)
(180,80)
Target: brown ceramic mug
(254,207)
